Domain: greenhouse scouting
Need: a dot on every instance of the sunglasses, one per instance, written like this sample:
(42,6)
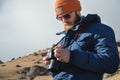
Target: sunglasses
(66,16)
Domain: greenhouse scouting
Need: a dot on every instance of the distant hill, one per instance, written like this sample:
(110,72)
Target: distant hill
(11,70)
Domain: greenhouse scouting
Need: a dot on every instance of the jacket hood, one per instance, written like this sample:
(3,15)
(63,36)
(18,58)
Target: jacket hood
(92,18)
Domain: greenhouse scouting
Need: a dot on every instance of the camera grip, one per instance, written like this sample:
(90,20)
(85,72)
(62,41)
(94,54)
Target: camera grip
(54,64)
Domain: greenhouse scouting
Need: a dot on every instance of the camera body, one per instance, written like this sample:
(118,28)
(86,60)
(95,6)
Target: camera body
(54,64)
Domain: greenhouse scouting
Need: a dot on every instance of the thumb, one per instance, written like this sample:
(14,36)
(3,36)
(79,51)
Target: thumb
(59,46)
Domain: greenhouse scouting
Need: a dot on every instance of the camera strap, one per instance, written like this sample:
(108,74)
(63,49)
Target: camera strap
(69,41)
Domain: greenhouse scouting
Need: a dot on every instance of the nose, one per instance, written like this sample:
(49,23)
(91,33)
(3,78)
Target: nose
(64,20)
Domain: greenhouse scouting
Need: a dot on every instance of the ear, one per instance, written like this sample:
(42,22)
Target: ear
(78,13)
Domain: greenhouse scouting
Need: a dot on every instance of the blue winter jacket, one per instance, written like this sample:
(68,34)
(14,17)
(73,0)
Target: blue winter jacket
(92,54)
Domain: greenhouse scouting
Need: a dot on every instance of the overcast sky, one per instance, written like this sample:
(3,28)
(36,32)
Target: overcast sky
(27,26)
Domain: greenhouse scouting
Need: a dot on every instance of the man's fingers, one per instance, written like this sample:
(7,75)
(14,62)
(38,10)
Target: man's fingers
(59,46)
(60,59)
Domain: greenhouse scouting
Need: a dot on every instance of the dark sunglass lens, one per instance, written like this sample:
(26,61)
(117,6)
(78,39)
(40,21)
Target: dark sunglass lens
(67,16)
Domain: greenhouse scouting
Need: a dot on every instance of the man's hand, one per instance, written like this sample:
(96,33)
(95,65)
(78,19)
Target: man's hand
(46,60)
(62,54)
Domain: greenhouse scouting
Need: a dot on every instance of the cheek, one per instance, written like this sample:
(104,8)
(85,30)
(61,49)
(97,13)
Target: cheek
(72,21)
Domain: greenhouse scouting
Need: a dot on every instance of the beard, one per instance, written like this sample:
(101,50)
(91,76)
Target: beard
(69,25)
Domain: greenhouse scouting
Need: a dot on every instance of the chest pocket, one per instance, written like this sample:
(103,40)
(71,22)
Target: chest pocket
(83,42)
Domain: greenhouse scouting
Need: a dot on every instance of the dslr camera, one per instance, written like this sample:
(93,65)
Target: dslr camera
(54,64)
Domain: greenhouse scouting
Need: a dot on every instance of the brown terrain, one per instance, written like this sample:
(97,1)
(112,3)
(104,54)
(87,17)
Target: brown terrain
(32,66)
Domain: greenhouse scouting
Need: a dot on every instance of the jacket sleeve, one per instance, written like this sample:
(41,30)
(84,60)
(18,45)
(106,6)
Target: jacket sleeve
(104,58)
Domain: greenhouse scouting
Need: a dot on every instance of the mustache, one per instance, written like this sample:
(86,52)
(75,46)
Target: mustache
(68,23)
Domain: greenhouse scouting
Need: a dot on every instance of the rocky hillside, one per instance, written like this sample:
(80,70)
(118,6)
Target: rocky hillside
(21,68)
(32,67)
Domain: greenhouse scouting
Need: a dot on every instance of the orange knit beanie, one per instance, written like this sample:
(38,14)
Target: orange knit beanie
(66,6)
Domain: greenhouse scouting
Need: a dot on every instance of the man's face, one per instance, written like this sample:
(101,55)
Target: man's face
(68,20)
